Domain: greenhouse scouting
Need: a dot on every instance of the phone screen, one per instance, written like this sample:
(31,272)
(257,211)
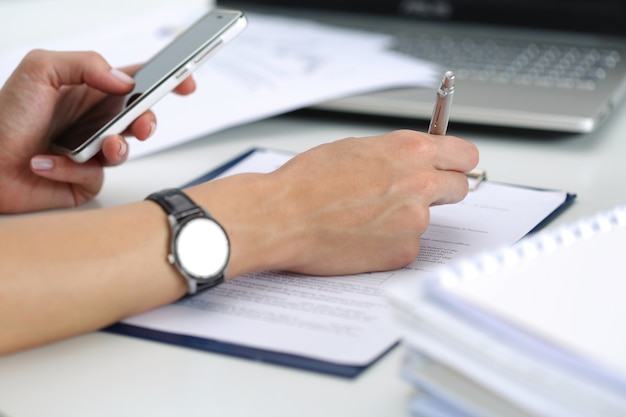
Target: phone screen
(190,46)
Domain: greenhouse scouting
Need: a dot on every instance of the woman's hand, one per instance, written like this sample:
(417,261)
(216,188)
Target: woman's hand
(46,93)
(350,206)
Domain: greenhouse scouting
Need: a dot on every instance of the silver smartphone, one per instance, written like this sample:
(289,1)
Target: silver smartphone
(158,76)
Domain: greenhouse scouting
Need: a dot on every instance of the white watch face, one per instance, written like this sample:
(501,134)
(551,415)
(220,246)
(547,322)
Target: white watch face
(202,247)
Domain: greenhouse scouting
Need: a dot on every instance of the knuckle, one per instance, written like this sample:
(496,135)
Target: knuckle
(92,57)
(36,58)
(414,143)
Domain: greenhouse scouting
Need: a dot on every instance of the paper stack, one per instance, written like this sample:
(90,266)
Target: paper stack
(536,329)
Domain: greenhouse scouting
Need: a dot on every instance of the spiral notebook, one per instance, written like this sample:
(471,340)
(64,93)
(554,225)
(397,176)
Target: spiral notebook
(556,294)
(536,326)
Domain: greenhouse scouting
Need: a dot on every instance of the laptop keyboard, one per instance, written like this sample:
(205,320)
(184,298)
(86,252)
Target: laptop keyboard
(506,61)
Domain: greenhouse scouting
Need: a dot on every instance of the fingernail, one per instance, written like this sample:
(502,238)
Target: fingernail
(123,148)
(122,76)
(152,127)
(41,163)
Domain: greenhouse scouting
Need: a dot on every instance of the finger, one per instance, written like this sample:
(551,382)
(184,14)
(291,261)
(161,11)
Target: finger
(131,69)
(454,154)
(76,68)
(144,126)
(115,147)
(188,86)
(452,187)
(114,150)
(87,177)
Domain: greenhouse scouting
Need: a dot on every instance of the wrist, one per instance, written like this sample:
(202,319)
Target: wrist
(252,210)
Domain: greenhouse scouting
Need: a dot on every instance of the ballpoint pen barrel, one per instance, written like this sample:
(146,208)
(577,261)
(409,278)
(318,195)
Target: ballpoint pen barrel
(440,117)
(443,105)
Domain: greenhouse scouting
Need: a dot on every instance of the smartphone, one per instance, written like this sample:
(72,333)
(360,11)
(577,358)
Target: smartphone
(158,76)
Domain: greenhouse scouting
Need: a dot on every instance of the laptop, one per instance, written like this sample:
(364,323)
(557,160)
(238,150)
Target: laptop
(553,65)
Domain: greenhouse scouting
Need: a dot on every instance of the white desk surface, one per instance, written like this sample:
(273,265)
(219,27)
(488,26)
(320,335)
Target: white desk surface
(101,374)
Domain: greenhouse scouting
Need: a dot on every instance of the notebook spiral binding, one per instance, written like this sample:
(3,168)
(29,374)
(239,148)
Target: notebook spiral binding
(535,245)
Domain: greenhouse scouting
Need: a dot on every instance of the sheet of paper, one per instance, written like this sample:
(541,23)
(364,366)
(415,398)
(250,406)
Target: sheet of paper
(345,319)
(492,215)
(276,65)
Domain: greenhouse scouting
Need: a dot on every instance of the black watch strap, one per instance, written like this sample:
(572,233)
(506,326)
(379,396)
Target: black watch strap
(180,210)
(176,203)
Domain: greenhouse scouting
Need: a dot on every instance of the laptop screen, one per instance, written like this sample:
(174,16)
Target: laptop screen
(603,16)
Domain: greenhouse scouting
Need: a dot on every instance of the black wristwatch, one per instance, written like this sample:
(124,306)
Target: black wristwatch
(199,246)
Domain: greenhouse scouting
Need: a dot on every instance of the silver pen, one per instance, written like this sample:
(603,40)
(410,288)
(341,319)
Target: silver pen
(441,116)
(443,104)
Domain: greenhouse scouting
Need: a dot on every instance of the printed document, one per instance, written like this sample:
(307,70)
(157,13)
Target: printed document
(346,319)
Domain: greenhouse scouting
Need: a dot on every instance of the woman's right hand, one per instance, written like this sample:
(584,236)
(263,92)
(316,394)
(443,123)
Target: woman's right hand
(350,206)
